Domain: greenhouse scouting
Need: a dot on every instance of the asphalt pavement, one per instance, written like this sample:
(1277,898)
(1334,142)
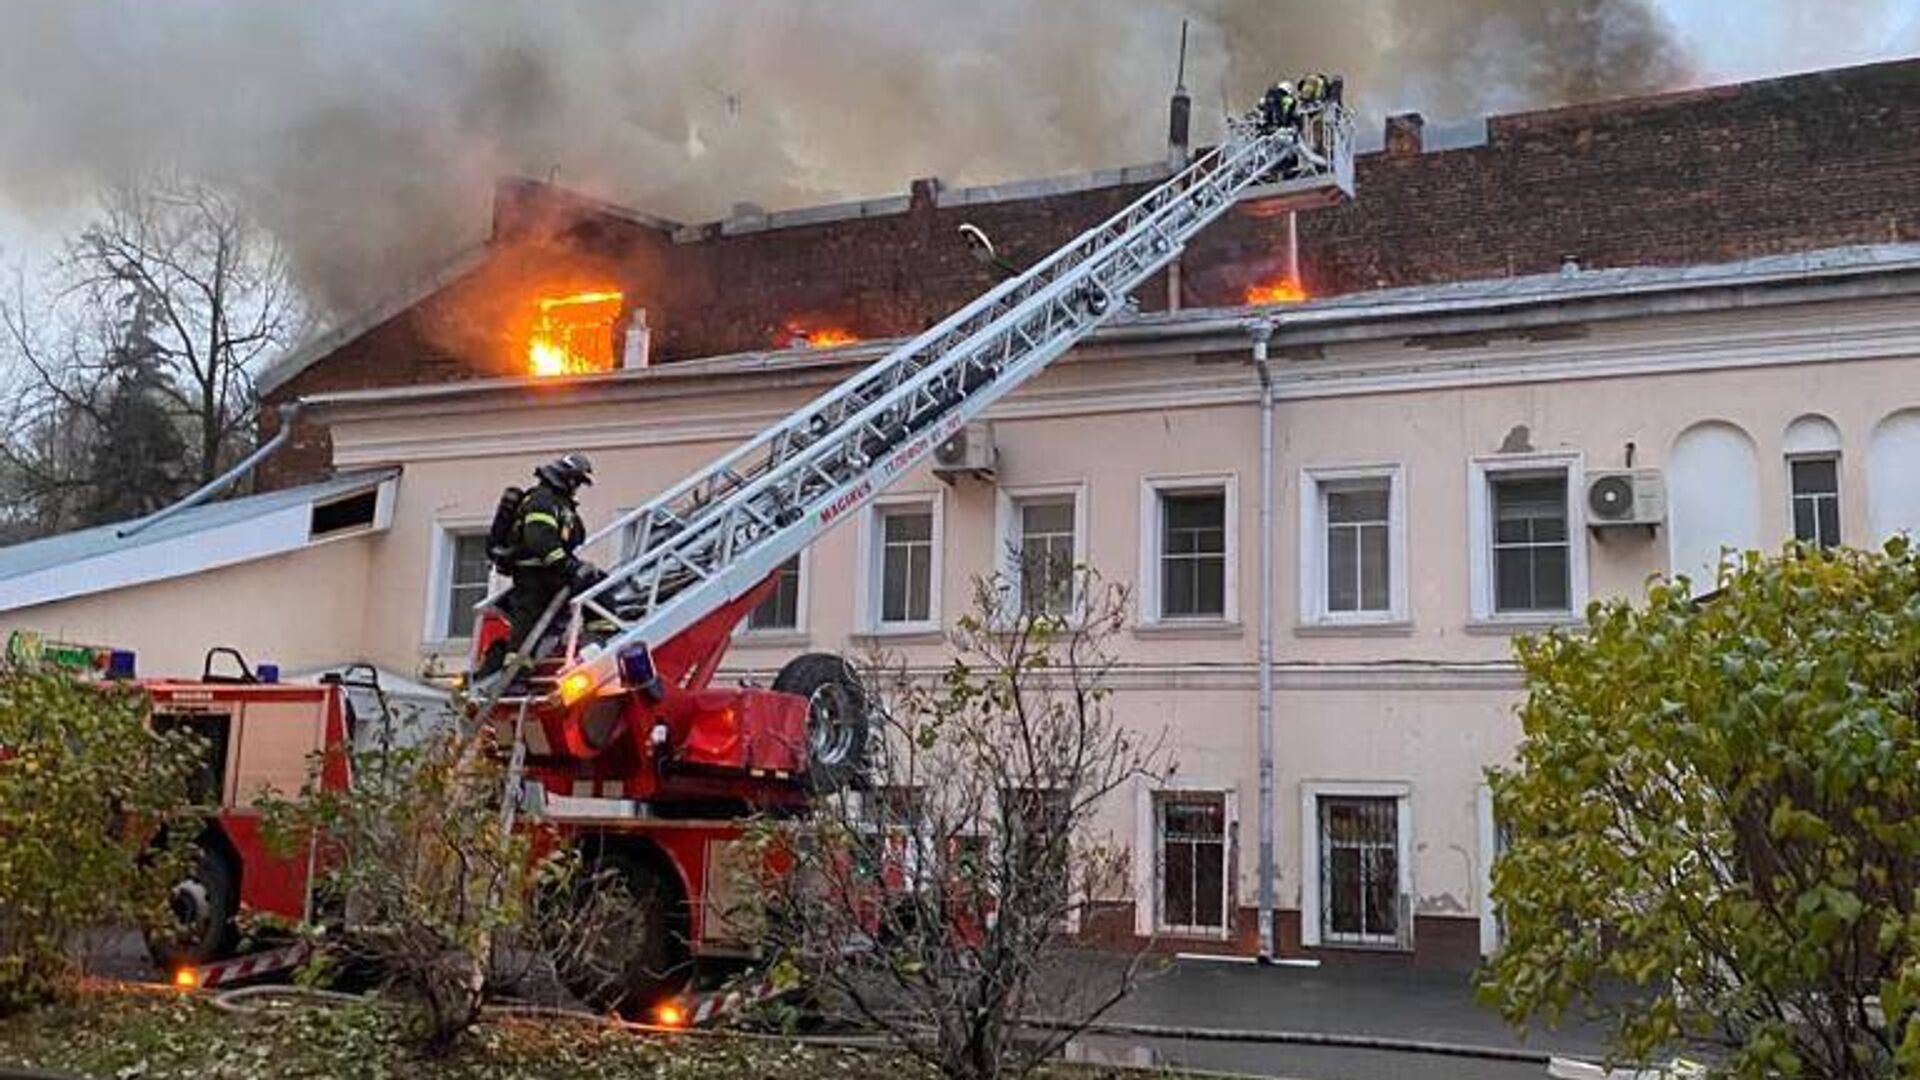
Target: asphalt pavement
(1345,1022)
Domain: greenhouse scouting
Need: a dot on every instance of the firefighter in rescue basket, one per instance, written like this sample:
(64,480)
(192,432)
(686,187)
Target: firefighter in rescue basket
(534,537)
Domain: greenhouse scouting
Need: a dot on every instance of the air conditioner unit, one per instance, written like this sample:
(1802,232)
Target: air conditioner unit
(1626,497)
(967,452)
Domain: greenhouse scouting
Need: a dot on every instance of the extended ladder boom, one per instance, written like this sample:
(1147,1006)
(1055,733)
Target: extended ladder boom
(722,531)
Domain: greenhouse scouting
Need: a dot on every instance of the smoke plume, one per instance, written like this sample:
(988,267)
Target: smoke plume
(367,133)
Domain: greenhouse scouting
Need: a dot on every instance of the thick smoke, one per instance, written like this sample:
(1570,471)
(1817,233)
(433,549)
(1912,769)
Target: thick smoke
(368,132)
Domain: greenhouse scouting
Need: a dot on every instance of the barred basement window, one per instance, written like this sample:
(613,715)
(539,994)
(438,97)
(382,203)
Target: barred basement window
(1192,862)
(1360,902)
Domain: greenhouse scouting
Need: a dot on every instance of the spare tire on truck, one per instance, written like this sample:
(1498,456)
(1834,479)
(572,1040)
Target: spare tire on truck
(837,718)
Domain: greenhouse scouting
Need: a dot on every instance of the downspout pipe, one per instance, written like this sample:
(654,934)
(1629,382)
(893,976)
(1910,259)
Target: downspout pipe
(222,482)
(1262,332)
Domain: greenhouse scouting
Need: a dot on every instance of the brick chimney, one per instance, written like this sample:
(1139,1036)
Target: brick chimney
(1403,134)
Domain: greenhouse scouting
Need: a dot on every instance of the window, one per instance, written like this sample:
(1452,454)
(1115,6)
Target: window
(781,609)
(348,513)
(1356,863)
(900,546)
(906,566)
(464,582)
(1527,535)
(1816,500)
(1359,870)
(1353,546)
(1042,543)
(1530,544)
(1040,846)
(1187,550)
(1192,862)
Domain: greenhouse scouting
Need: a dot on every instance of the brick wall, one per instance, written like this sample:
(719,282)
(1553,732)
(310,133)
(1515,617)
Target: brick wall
(1797,163)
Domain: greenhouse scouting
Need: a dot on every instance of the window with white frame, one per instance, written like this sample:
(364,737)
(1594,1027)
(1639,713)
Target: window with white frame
(463,580)
(1353,546)
(903,551)
(780,611)
(1042,546)
(1356,851)
(1528,538)
(1191,862)
(1359,870)
(1189,571)
(1816,498)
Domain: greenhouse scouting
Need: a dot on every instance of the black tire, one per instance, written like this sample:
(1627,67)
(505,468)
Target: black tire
(837,718)
(619,940)
(202,904)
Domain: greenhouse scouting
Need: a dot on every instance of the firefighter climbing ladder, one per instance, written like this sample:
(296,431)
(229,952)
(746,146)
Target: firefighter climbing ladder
(720,532)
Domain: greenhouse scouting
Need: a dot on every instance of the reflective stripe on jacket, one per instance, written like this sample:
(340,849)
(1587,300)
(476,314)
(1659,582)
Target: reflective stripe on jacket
(549,529)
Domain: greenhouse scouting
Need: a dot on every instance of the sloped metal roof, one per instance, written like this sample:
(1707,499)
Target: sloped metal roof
(21,561)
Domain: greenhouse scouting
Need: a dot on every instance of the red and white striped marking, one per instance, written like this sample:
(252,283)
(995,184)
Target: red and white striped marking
(708,1008)
(223,972)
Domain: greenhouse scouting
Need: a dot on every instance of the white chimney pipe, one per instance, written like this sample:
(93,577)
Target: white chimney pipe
(639,350)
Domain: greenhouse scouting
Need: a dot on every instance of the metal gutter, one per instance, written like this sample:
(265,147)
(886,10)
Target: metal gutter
(1262,332)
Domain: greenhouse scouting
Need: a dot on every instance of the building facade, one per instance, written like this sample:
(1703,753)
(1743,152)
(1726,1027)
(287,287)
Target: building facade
(1430,498)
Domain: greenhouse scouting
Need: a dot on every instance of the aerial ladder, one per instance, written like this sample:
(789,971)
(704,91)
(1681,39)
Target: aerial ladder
(621,746)
(706,543)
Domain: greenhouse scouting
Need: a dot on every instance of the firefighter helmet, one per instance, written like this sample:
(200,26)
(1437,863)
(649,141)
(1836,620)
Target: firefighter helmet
(569,472)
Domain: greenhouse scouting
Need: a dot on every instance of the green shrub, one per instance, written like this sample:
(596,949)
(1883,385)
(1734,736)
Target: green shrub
(85,787)
(1717,804)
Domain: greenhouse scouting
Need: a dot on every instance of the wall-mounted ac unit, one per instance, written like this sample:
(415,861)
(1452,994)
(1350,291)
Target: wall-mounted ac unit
(1626,497)
(967,452)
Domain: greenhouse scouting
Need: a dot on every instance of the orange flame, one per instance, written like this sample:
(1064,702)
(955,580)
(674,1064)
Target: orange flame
(1277,291)
(819,337)
(573,334)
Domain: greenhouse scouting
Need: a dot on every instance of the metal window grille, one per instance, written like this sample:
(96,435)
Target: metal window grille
(1193,554)
(1193,863)
(1046,557)
(1360,901)
(906,566)
(1531,549)
(781,609)
(1816,501)
(1358,574)
(466,582)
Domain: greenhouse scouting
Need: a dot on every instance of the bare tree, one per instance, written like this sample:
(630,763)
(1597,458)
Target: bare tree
(939,904)
(165,305)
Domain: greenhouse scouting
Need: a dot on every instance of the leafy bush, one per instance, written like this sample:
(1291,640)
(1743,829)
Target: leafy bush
(1717,803)
(937,904)
(85,788)
(429,878)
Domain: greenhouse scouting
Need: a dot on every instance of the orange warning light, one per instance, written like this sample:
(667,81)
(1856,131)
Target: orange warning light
(575,686)
(186,979)
(670,1015)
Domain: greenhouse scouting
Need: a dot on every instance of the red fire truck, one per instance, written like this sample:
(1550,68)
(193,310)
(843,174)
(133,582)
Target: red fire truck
(621,744)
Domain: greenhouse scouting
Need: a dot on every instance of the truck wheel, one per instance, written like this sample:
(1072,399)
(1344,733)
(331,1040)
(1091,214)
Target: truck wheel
(201,907)
(617,943)
(837,720)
